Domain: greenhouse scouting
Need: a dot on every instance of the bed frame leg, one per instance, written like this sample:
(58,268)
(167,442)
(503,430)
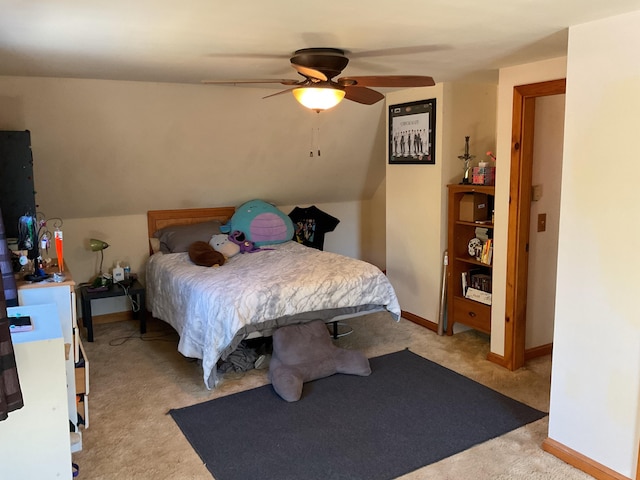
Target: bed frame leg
(336,334)
(335,329)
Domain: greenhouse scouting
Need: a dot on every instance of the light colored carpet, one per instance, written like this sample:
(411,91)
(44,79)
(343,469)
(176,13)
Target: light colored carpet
(136,380)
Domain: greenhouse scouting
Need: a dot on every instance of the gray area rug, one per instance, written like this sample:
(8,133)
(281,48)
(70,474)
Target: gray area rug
(408,413)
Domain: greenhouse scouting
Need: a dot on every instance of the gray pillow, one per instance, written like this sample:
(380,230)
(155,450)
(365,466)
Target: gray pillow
(178,238)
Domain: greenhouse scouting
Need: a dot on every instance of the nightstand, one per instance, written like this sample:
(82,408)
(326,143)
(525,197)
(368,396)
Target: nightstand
(136,291)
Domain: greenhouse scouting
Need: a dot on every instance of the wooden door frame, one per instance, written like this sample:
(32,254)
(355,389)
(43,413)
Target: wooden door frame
(638,463)
(524,97)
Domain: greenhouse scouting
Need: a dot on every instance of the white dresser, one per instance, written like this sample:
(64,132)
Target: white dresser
(63,296)
(34,440)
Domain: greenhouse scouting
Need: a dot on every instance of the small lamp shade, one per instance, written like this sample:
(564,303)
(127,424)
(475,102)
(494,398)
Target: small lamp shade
(318,98)
(97,245)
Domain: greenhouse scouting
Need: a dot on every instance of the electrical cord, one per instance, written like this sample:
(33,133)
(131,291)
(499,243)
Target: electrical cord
(135,306)
(168,336)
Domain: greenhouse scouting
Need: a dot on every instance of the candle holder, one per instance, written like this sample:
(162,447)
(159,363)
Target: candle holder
(466,158)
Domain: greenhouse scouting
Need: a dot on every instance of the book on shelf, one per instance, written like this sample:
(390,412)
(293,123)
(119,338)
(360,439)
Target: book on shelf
(464,276)
(482,233)
(487,252)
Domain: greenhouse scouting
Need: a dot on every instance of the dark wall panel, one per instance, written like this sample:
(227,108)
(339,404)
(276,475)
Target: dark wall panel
(17,195)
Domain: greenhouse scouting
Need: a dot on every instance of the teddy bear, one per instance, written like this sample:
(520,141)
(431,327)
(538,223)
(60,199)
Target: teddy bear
(221,243)
(203,254)
(305,352)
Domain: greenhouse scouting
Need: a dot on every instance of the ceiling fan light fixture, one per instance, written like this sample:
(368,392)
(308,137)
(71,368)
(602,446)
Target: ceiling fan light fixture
(318,98)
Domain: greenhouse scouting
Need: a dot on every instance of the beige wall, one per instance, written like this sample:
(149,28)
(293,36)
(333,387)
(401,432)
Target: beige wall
(128,243)
(417,194)
(595,381)
(108,148)
(543,246)
(106,152)
(373,242)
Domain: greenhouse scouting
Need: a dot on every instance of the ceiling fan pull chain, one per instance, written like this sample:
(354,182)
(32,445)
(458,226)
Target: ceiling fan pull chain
(318,132)
(318,139)
(315,137)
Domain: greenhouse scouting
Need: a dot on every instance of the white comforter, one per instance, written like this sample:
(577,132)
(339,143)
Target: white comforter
(209,306)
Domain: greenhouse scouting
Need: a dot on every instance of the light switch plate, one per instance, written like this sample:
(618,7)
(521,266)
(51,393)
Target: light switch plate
(542,222)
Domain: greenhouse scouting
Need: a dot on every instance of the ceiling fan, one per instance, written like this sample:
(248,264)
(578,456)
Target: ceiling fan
(318,90)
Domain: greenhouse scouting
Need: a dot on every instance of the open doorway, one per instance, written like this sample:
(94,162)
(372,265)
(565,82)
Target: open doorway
(519,235)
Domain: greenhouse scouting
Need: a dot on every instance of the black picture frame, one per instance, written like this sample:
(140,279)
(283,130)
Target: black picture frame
(412,132)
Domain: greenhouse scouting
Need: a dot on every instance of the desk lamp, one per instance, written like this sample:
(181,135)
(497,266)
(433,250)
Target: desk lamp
(98,246)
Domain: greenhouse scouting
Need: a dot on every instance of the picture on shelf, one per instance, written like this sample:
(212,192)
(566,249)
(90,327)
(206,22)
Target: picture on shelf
(478,279)
(478,296)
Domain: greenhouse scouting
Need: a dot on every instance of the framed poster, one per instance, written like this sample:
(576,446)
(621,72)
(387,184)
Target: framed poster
(412,132)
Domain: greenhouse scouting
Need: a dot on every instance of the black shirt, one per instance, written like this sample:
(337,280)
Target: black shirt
(310,225)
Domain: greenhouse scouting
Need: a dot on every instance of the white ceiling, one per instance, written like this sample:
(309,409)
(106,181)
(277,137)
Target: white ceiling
(192,40)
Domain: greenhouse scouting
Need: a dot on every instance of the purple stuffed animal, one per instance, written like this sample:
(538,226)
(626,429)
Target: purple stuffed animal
(245,245)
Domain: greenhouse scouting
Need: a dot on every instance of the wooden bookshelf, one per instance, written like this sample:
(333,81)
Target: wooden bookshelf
(461,309)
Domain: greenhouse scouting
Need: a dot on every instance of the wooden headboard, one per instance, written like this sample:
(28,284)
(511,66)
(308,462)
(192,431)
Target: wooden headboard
(157,219)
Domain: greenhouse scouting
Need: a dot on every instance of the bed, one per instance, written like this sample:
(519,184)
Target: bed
(214,309)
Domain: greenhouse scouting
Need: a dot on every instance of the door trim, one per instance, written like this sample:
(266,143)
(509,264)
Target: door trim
(524,97)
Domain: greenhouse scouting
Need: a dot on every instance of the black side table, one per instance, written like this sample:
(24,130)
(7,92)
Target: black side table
(115,290)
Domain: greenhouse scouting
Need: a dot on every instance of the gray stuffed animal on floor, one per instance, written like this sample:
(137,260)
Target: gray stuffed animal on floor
(302,353)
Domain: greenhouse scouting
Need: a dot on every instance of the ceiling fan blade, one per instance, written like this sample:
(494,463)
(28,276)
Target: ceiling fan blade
(363,95)
(388,81)
(310,72)
(282,81)
(279,93)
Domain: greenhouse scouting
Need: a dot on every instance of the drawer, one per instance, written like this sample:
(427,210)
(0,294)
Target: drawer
(83,408)
(81,379)
(82,370)
(473,314)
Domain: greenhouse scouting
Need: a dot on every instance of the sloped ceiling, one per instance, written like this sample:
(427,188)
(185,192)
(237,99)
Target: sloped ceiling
(191,40)
(108,148)
(167,141)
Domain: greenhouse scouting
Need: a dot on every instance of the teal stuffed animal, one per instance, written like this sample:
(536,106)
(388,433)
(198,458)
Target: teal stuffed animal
(261,223)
